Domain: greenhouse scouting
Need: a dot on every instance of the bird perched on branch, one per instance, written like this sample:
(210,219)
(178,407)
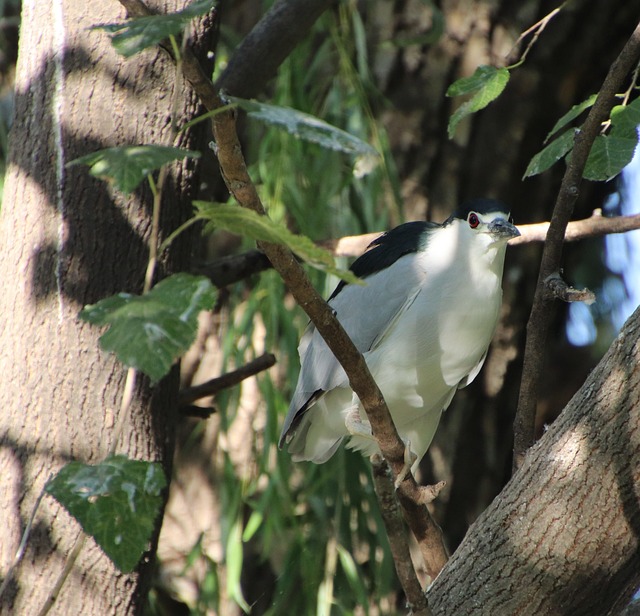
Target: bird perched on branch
(423,322)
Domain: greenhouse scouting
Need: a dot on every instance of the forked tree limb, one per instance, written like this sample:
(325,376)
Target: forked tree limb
(539,320)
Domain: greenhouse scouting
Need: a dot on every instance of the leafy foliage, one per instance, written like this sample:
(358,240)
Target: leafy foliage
(311,128)
(128,166)
(261,228)
(151,331)
(134,35)
(610,153)
(571,115)
(551,154)
(116,501)
(486,84)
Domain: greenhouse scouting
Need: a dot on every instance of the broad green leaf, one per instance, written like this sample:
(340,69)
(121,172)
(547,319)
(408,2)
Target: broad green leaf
(610,154)
(117,502)
(127,166)
(261,228)
(572,114)
(487,82)
(149,332)
(310,128)
(552,153)
(136,34)
(608,157)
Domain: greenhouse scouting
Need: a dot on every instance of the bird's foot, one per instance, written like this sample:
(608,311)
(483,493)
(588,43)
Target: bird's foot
(409,458)
(356,426)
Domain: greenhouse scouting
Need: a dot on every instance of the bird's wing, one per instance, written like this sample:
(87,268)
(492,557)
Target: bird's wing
(367,313)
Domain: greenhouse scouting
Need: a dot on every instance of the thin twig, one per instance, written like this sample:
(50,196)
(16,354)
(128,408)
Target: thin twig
(537,29)
(23,542)
(538,325)
(62,578)
(214,386)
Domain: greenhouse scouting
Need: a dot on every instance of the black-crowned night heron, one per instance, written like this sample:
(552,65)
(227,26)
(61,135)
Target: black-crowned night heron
(423,322)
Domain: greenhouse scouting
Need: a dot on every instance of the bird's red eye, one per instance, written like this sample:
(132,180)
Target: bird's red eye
(473,219)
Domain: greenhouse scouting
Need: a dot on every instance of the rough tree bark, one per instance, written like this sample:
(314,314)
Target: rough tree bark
(569,520)
(69,240)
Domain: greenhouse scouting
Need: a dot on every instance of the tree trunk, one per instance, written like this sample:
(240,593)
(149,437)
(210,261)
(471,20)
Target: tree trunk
(563,537)
(69,239)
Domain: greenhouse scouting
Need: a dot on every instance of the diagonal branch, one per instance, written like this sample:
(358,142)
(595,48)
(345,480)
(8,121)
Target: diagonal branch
(238,181)
(538,326)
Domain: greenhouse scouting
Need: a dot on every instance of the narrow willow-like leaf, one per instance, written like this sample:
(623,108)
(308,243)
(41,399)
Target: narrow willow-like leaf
(310,128)
(261,228)
(117,502)
(128,166)
(551,154)
(149,332)
(572,114)
(136,34)
(487,82)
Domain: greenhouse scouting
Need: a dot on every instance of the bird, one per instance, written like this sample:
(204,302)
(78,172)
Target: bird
(423,321)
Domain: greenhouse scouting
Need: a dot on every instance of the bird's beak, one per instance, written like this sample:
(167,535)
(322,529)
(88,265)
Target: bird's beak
(502,229)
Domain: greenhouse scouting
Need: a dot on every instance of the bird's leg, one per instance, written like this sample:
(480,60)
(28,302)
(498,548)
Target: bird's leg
(409,458)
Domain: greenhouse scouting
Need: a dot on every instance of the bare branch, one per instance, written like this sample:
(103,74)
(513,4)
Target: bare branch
(394,525)
(559,289)
(214,386)
(538,325)
(263,50)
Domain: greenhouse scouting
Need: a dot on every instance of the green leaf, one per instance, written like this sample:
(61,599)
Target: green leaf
(234,558)
(136,34)
(610,154)
(261,228)
(552,153)
(149,332)
(487,82)
(127,166)
(572,114)
(310,128)
(117,502)
(608,157)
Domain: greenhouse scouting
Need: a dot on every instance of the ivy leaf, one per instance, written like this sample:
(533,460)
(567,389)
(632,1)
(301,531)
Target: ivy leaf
(310,128)
(117,502)
(552,153)
(149,332)
(127,166)
(487,82)
(572,114)
(136,34)
(261,228)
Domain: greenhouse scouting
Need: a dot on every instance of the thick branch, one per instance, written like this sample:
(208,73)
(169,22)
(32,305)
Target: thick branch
(563,536)
(263,50)
(539,320)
